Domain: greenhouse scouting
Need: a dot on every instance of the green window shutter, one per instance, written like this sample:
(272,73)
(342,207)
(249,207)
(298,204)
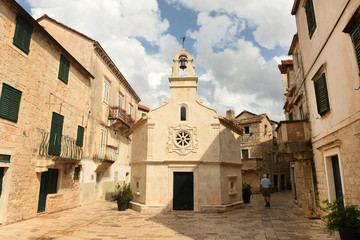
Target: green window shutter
(64,69)
(245,154)
(76,173)
(52,180)
(322,98)
(23,33)
(10,103)
(80,136)
(1,178)
(355,36)
(310,17)
(56,134)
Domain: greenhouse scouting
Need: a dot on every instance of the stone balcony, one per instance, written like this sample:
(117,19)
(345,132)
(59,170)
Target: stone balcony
(119,119)
(294,140)
(105,156)
(252,164)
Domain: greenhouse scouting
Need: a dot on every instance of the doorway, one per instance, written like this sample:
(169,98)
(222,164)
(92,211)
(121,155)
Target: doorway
(337,177)
(183,198)
(48,185)
(282,181)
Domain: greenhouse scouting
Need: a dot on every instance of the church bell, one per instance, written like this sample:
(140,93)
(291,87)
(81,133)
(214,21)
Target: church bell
(182,63)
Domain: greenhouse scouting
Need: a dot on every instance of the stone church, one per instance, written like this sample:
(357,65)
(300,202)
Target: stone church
(185,156)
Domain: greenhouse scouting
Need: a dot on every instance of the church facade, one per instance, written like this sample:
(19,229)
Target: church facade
(185,155)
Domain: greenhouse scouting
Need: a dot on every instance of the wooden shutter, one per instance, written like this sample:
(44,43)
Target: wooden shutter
(10,103)
(23,33)
(310,17)
(80,136)
(64,69)
(355,36)
(322,98)
(1,178)
(56,134)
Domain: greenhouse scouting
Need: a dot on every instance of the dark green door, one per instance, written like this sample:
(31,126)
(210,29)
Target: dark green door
(56,134)
(337,177)
(276,182)
(48,185)
(282,181)
(183,191)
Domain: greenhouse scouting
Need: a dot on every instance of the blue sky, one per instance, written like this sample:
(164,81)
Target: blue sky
(236,47)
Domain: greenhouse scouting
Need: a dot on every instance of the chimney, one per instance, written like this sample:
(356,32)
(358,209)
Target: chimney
(230,114)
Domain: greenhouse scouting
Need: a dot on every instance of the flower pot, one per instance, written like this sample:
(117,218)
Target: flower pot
(349,234)
(122,206)
(246,198)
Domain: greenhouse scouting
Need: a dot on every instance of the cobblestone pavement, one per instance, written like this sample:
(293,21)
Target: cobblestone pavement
(101,220)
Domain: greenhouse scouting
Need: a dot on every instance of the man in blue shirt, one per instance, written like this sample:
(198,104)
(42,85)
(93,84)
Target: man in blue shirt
(265,187)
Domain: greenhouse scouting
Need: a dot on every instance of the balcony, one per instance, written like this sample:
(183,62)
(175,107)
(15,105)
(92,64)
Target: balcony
(252,164)
(105,156)
(294,140)
(119,119)
(60,146)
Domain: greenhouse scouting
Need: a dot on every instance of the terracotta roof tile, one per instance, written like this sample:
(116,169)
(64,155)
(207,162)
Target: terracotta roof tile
(232,124)
(142,107)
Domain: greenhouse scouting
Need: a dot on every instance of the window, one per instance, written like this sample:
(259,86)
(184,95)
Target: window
(76,173)
(22,35)
(245,154)
(247,130)
(106,93)
(10,103)
(355,36)
(64,69)
(1,178)
(310,16)
(321,93)
(102,143)
(183,114)
(291,116)
(120,102)
(265,130)
(130,108)
(80,136)
(56,134)
(302,117)
(4,158)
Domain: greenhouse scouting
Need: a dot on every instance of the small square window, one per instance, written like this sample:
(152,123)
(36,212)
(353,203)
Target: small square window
(5,158)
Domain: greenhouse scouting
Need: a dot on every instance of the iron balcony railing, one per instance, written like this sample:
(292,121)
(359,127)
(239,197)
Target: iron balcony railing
(106,152)
(119,113)
(59,145)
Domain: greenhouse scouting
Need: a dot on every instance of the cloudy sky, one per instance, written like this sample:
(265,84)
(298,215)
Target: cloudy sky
(236,46)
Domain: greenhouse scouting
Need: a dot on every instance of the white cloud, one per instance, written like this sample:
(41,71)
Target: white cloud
(234,74)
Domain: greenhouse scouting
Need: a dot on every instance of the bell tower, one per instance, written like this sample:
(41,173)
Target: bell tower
(184,85)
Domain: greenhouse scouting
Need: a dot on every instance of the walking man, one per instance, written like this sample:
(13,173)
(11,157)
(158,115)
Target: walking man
(265,187)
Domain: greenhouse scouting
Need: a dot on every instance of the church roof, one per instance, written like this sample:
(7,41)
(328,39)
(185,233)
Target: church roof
(232,124)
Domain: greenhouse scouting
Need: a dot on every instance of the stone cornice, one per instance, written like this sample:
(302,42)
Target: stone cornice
(99,50)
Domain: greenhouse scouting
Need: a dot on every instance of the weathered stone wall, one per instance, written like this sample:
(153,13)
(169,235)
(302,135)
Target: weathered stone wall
(36,76)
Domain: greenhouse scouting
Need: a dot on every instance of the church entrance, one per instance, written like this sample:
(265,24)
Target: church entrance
(183,198)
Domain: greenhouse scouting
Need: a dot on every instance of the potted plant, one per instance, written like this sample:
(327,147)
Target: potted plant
(246,192)
(122,195)
(345,219)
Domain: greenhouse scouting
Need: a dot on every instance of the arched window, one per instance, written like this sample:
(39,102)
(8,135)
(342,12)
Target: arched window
(183,114)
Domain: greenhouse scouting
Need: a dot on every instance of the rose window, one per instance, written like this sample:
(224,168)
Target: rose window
(182,138)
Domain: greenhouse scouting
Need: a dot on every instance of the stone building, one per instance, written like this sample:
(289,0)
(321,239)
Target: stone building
(328,40)
(185,156)
(258,152)
(113,110)
(294,134)
(44,107)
